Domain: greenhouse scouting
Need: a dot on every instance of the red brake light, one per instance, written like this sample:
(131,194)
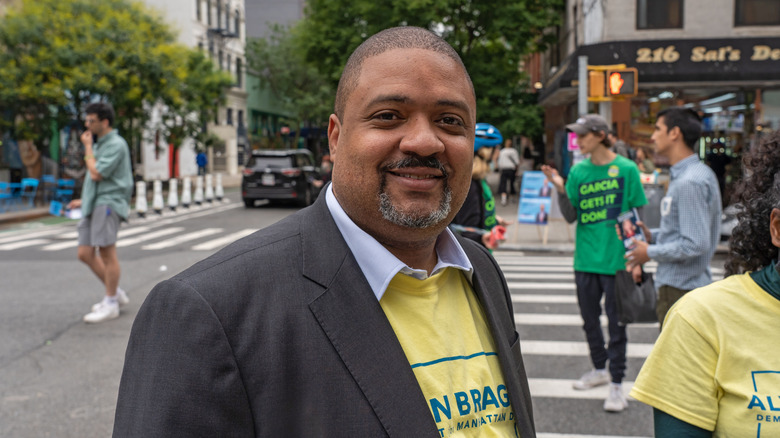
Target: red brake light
(248,171)
(291,172)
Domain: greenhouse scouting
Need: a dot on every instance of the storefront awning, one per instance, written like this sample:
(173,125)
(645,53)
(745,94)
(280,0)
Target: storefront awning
(695,62)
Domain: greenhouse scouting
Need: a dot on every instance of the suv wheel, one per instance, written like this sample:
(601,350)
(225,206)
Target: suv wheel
(249,203)
(305,201)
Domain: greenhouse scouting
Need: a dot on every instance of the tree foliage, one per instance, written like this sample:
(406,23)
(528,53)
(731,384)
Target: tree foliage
(57,55)
(492,37)
(301,89)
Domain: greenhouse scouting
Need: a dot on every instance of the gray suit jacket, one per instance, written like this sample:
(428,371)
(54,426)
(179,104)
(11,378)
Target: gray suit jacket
(280,335)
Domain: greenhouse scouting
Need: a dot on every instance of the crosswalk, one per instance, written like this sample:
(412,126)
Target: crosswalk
(153,233)
(556,353)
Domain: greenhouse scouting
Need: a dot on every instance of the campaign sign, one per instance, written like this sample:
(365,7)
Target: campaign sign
(535,201)
(629,229)
(535,185)
(534,211)
(571,143)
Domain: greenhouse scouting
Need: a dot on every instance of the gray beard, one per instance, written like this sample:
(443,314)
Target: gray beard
(410,219)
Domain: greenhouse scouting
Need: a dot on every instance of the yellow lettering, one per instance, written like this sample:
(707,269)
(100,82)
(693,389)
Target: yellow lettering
(734,55)
(697,54)
(775,54)
(761,53)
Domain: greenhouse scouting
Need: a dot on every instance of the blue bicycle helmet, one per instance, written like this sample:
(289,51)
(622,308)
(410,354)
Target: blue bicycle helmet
(487,136)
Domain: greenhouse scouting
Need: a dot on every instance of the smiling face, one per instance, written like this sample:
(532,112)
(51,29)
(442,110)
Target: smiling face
(403,152)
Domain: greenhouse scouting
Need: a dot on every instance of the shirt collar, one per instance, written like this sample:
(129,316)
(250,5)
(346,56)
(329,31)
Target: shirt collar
(683,164)
(379,265)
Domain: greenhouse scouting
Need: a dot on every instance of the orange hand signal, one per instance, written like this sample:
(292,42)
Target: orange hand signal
(615,83)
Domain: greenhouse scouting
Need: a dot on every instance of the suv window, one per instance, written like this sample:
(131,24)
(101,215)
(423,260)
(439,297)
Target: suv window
(260,163)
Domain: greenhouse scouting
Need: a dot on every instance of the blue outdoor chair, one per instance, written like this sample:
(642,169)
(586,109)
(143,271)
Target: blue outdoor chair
(28,192)
(6,196)
(65,188)
(49,187)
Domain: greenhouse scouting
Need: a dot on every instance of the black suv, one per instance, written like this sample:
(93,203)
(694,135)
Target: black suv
(281,175)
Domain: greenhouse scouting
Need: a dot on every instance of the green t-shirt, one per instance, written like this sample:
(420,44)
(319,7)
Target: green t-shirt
(600,194)
(112,157)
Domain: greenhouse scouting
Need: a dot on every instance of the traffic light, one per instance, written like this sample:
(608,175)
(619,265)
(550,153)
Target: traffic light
(622,82)
(596,84)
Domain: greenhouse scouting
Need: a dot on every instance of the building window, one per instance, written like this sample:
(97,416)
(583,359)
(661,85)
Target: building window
(200,46)
(197,10)
(227,18)
(229,63)
(239,76)
(216,117)
(659,14)
(237,24)
(757,13)
(208,12)
(229,118)
(240,118)
(221,60)
(219,14)
(211,49)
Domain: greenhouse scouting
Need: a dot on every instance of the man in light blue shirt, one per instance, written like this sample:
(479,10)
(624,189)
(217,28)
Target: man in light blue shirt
(690,213)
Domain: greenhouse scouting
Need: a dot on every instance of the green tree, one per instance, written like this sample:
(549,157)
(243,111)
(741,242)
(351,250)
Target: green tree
(493,37)
(57,55)
(301,89)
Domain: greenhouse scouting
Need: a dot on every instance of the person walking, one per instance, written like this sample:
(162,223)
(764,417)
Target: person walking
(105,196)
(201,160)
(508,165)
(710,373)
(689,231)
(597,191)
(371,318)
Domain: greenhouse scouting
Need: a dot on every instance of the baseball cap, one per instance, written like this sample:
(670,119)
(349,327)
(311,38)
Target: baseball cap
(588,123)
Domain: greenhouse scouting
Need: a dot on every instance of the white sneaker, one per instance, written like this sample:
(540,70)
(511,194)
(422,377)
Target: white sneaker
(121,298)
(615,401)
(592,379)
(104,312)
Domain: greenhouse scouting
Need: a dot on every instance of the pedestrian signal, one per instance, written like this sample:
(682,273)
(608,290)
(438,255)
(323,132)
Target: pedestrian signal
(596,84)
(622,82)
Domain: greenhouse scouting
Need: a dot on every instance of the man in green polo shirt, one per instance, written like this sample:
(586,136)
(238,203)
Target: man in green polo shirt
(104,203)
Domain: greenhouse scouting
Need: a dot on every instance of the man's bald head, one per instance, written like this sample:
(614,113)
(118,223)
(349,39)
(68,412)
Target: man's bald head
(404,37)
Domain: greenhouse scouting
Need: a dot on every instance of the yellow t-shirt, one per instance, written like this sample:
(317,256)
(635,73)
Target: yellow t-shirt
(716,364)
(442,329)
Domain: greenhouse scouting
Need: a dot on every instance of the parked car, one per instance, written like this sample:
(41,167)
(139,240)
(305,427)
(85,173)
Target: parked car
(281,175)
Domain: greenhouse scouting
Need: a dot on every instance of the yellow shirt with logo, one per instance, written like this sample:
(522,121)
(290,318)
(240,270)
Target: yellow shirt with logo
(443,331)
(716,364)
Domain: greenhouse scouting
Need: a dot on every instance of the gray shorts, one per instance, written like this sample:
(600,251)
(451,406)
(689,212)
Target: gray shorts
(99,228)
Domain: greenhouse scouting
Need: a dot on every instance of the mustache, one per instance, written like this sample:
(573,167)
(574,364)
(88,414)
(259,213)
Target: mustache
(417,161)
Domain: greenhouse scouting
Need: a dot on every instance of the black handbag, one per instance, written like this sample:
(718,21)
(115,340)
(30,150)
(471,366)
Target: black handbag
(635,302)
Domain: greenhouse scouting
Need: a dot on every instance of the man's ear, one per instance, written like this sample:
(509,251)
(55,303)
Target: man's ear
(774,227)
(334,131)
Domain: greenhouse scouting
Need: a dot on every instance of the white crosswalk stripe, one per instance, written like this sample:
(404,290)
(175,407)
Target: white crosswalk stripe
(182,239)
(222,241)
(150,236)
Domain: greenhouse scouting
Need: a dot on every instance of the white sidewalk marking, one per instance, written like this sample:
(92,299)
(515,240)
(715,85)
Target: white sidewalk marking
(567,348)
(182,238)
(34,234)
(150,236)
(538,276)
(526,285)
(23,244)
(561,388)
(538,298)
(230,238)
(521,268)
(563,320)
(75,243)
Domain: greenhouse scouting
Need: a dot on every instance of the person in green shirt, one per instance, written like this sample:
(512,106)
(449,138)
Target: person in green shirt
(104,203)
(597,191)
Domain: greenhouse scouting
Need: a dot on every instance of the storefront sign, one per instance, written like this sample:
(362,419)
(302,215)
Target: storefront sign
(695,61)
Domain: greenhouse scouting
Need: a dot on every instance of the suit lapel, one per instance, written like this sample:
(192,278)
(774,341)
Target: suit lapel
(353,320)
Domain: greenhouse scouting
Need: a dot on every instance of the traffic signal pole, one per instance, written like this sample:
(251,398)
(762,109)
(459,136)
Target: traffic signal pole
(582,87)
